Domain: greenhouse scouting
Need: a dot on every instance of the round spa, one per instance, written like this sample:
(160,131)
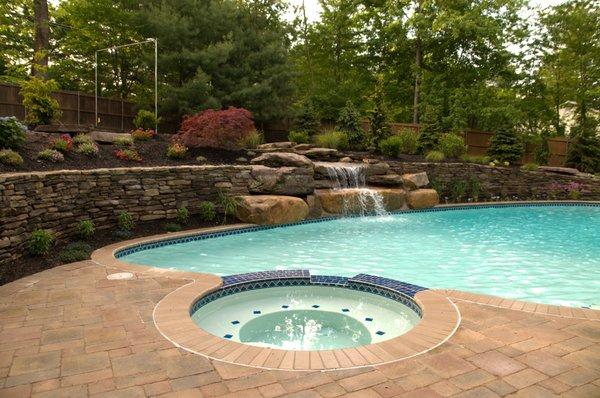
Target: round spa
(309,317)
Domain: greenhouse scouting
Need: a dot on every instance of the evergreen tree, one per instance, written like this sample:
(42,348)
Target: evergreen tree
(506,146)
(378,120)
(349,121)
(584,151)
(429,137)
(307,120)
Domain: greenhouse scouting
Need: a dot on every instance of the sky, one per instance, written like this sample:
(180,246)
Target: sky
(313,8)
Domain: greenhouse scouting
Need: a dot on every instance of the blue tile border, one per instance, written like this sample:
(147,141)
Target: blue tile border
(389,288)
(208,235)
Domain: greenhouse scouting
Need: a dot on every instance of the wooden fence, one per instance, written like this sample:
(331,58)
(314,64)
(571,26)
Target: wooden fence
(77,108)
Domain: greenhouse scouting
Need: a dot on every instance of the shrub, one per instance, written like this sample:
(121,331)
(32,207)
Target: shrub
(125,141)
(506,146)
(378,121)
(12,133)
(228,204)
(452,145)
(475,159)
(177,151)
(207,211)
(51,155)
(88,149)
(390,146)
(130,154)
(542,152)
(172,227)
(458,188)
(40,242)
(183,215)
(76,251)
(85,229)
(475,188)
(252,140)
(435,156)
(145,119)
(40,106)
(126,221)
(216,128)
(349,121)
(142,134)
(82,138)
(428,138)
(584,153)
(405,142)
(332,139)
(64,143)
(10,158)
(299,137)
(530,166)
(307,119)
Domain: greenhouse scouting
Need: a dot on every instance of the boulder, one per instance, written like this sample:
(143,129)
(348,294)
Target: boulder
(270,209)
(377,168)
(303,147)
(359,200)
(416,180)
(276,145)
(279,159)
(346,159)
(320,153)
(386,180)
(107,136)
(423,198)
(315,210)
(294,181)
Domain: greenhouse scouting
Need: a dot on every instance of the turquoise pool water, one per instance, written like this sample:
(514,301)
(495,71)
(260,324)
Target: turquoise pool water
(548,254)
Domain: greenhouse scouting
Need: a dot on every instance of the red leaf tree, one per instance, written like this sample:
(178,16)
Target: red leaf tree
(216,128)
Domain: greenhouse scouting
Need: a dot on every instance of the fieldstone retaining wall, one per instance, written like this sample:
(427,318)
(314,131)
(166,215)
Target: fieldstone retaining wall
(58,200)
(500,182)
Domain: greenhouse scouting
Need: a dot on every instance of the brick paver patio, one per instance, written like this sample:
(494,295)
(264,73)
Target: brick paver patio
(71,332)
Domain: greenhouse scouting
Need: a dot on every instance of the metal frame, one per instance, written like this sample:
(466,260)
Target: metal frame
(151,40)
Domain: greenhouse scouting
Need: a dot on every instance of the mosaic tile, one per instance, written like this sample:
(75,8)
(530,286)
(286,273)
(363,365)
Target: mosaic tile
(228,336)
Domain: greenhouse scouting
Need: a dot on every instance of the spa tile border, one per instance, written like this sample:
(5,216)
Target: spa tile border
(190,236)
(440,318)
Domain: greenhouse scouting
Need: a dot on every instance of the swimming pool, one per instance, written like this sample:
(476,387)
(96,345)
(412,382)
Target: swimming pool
(541,253)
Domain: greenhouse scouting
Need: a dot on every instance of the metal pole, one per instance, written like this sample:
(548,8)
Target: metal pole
(96,89)
(156,84)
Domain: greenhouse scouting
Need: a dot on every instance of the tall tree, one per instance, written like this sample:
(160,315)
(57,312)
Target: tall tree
(41,45)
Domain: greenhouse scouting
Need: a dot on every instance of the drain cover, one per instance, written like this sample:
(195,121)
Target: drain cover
(120,275)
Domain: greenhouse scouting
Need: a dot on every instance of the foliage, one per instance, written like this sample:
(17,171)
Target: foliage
(211,128)
(125,141)
(141,134)
(438,185)
(429,138)
(82,138)
(129,154)
(228,204)
(40,106)
(530,166)
(435,156)
(458,189)
(584,153)
(126,221)
(349,121)
(475,188)
(85,229)
(405,142)
(40,242)
(10,157)
(299,137)
(64,143)
(12,133)
(145,120)
(307,120)
(475,159)
(252,140)
(452,145)
(506,146)
(172,227)
(378,120)
(333,139)
(183,215)
(177,150)
(542,152)
(76,251)
(51,155)
(88,149)
(207,211)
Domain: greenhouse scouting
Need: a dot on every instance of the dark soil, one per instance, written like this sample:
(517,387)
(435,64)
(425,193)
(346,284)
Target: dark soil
(28,265)
(153,153)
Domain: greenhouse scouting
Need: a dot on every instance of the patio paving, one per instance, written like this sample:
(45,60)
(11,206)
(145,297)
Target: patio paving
(71,332)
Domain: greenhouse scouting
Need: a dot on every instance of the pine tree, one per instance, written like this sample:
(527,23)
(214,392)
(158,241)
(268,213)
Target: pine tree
(429,137)
(506,146)
(349,121)
(378,119)
(308,120)
(584,151)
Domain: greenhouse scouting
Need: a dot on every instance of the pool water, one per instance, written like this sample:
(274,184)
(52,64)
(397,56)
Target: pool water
(305,318)
(548,254)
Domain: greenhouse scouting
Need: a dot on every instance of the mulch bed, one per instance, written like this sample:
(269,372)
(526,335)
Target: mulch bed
(28,265)
(153,153)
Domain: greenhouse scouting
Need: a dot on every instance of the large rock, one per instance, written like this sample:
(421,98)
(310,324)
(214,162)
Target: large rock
(359,200)
(386,180)
(379,168)
(423,198)
(294,181)
(279,159)
(270,209)
(107,136)
(276,145)
(303,147)
(416,180)
(321,153)
(315,210)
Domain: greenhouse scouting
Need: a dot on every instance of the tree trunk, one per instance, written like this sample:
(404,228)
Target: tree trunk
(418,65)
(41,45)
(307,50)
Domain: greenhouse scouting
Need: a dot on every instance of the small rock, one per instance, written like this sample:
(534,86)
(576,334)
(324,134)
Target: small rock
(386,180)
(251,153)
(320,153)
(279,159)
(201,159)
(276,145)
(346,159)
(241,160)
(303,147)
(377,168)
(416,180)
(370,161)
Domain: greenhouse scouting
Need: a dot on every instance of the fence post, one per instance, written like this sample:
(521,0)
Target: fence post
(78,108)
(122,112)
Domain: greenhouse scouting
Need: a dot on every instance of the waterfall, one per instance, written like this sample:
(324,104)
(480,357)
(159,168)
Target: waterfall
(352,177)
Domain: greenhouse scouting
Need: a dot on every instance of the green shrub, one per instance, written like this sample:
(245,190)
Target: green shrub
(51,155)
(307,119)
(207,211)
(252,140)
(10,158)
(332,139)
(349,121)
(40,106)
(506,146)
(177,151)
(405,142)
(76,251)
(183,215)
(125,141)
(64,143)
(88,149)
(428,138)
(378,119)
(530,166)
(12,133)
(40,242)
(458,188)
(390,146)
(86,229)
(435,156)
(475,159)
(452,145)
(121,234)
(438,185)
(228,204)
(542,152)
(82,138)
(299,137)
(145,119)
(584,153)
(172,227)
(475,188)
(126,221)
